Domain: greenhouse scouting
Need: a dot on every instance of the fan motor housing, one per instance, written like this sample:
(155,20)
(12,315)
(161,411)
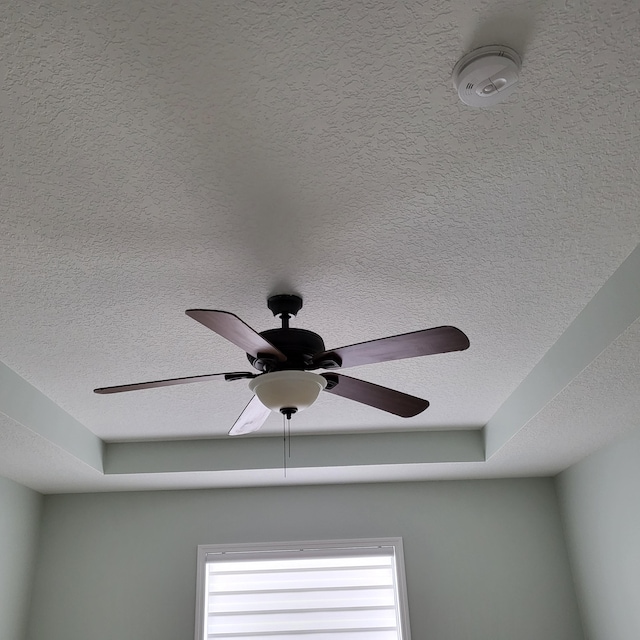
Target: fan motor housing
(299,345)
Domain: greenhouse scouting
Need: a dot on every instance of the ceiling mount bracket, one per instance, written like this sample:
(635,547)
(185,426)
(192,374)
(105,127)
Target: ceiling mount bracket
(285,306)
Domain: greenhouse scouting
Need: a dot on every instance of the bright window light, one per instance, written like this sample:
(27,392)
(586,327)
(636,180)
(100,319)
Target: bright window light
(331,590)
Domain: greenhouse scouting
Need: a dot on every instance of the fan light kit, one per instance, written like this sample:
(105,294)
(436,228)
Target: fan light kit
(487,76)
(286,357)
(288,391)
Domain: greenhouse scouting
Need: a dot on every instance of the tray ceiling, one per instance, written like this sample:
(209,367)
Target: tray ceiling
(158,157)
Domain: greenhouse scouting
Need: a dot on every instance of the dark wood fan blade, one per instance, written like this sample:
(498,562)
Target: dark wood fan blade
(396,402)
(238,375)
(251,419)
(406,345)
(229,326)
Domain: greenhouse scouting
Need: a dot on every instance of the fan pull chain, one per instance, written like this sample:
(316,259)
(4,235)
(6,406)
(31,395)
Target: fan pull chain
(286,438)
(284,444)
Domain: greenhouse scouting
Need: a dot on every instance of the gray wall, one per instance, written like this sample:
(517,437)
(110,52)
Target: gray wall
(486,560)
(600,497)
(20,510)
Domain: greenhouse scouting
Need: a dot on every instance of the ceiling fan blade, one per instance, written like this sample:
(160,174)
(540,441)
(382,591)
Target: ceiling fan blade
(229,326)
(389,400)
(406,345)
(172,381)
(251,419)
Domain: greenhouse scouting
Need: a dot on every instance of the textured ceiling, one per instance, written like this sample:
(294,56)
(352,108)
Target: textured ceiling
(161,156)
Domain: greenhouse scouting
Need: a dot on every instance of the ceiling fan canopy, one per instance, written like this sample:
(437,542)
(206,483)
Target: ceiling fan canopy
(286,358)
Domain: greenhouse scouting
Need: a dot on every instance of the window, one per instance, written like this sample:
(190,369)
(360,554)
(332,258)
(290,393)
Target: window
(331,590)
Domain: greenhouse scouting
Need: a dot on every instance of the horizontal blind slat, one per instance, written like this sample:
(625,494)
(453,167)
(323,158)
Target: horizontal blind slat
(312,610)
(301,621)
(260,600)
(335,634)
(223,565)
(279,580)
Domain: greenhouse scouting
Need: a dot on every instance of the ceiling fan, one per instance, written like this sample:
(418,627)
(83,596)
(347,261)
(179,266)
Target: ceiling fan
(286,357)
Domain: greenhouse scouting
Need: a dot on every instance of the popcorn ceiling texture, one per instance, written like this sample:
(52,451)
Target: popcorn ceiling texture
(160,156)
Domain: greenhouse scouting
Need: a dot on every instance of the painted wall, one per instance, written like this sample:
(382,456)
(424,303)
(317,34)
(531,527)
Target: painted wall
(20,510)
(485,560)
(600,498)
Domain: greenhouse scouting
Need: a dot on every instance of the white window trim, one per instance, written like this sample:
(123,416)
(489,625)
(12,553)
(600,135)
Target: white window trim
(274,547)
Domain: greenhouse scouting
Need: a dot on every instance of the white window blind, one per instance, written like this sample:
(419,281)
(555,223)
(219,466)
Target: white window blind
(306,592)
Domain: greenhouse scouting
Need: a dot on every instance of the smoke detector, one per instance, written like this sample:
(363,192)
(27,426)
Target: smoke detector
(487,75)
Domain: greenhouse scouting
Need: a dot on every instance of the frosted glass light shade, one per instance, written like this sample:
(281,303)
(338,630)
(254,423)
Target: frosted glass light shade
(288,389)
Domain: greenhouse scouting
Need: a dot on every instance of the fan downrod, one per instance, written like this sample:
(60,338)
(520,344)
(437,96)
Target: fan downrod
(299,345)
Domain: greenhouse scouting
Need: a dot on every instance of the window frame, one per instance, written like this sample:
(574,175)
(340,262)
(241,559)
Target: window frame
(266,547)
